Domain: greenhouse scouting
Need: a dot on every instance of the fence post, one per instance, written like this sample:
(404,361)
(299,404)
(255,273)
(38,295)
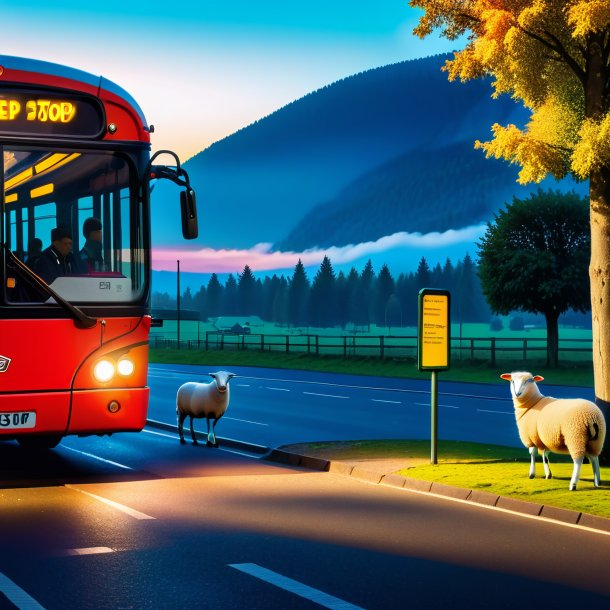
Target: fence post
(317,345)
(493,351)
(381,347)
(472,349)
(287,345)
(262,343)
(344,346)
(207,332)
(524,349)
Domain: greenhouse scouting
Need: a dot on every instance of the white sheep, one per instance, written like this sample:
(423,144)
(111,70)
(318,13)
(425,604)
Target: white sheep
(209,400)
(574,426)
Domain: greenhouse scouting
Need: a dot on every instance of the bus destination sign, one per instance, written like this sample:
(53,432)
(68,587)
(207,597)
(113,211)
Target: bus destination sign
(434,330)
(43,113)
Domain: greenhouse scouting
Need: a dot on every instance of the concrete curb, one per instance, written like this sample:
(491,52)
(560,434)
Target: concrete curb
(474,496)
(222,441)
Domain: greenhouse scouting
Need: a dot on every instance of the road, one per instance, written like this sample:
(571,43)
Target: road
(140,521)
(272,407)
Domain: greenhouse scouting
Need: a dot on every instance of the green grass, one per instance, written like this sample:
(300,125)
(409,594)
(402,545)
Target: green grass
(476,372)
(491,468)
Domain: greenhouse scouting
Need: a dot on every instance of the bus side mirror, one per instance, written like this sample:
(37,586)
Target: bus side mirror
(188,209)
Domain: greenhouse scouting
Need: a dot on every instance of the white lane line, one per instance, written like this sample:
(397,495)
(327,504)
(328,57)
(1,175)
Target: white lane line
(501,412)
(247,421)
(136,514)
(96,457)
(175,438)
(17,595)
(242,385)
(92,550)
(326,395)
(393,402)
(277,389)
(427,404)
(294,586)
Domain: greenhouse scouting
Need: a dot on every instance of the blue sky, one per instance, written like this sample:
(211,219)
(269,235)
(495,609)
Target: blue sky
(201,70)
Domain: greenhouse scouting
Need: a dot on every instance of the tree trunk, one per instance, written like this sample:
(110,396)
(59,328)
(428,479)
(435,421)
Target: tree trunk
(552,338)
(599,273)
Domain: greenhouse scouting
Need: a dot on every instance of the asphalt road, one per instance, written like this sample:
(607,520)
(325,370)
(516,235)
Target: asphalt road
(140,521)
(273,407)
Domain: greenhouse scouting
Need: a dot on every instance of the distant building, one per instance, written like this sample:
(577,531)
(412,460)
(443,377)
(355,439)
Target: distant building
(238,324)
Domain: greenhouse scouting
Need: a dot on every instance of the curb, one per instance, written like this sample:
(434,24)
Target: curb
(474,496)
(226,442)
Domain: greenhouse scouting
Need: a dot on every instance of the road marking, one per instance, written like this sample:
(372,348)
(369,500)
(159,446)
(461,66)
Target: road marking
(326,395)
(393,402)
(247,421)
(342,385)
(243,385)
(96,457)
(277,389)
(92,550)
(17,595)
(161,434)
(427,404)
(501,412)
(136,514)
(294,586)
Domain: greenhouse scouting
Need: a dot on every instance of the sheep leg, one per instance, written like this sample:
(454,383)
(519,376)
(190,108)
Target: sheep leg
(576,472)
(214,432)
(547,467)
(596,473)
(210,442)
(181,417)
(533,454)
(193,432)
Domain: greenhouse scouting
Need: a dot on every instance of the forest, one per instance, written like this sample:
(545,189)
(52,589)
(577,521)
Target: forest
(332,299)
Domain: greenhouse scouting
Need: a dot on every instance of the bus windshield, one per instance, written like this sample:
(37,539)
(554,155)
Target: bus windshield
(73,217)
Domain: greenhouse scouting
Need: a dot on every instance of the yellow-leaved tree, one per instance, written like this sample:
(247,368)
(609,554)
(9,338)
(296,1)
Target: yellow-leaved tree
(553,55)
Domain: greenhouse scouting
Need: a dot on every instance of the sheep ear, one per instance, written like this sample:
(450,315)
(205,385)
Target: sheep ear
(538,378)
(212,375)
(506,376)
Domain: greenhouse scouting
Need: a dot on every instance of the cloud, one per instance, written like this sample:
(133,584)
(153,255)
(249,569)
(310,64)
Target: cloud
(261,257)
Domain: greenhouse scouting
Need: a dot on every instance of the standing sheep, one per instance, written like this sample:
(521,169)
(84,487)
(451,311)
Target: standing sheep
(209,400)
(575,426)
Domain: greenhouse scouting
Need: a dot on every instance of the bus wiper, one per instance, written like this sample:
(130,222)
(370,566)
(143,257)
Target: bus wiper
(82,319)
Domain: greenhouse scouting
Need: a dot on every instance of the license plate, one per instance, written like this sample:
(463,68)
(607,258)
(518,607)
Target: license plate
(17,420)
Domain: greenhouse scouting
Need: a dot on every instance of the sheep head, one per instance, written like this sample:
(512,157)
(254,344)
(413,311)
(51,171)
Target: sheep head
(222,379)
(522,383)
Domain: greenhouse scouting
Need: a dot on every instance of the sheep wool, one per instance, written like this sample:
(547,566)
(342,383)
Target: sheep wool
(203,400)
(570,426)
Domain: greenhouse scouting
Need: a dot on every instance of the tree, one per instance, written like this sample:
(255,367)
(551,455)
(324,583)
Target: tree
(323,299)
(533,258)
(247,293)
(384,289)
(555,57)
(423,275)
(365,295)
(298,293)
(215,295)
(230,304)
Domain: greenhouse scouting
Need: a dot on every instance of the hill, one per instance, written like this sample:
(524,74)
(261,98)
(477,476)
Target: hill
(259,183)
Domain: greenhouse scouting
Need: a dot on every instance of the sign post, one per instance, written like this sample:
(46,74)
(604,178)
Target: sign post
(433,349)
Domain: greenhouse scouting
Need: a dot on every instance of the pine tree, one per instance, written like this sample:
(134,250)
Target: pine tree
(323,298)
(384,289)
(423,276)
(230,306)
(246,293)
(214,297)
(298,295)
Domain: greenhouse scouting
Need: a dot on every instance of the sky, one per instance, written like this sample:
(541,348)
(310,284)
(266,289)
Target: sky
(202,70)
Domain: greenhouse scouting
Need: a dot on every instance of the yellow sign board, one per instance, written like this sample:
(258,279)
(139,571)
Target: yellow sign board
(434,330)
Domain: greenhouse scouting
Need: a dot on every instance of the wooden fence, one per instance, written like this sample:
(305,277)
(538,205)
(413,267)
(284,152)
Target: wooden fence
(489,349)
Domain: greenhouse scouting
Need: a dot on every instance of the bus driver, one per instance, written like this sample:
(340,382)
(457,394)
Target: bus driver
(57,259)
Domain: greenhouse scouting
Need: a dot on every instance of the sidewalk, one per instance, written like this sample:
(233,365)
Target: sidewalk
(381,472)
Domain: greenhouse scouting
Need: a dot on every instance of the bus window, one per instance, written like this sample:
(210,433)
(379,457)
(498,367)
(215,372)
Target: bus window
(57,193)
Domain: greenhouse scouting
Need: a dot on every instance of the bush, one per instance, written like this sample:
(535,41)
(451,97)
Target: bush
(496,324)
(516,323)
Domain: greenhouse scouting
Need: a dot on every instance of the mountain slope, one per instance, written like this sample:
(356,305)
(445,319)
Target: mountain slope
(257,184)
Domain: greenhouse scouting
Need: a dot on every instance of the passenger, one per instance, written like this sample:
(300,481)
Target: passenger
(34,252)
(56,260)
(90,256)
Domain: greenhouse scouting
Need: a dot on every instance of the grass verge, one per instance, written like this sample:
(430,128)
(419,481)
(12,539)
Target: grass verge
(492,468)
(476,372)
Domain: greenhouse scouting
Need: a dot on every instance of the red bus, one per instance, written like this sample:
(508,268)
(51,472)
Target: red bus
(74,338)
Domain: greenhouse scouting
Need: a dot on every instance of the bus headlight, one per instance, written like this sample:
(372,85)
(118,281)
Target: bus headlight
(103,371)
(125,367)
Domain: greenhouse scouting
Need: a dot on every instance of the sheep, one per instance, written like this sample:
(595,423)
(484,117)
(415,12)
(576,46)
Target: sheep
(574,426)
(209,400)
